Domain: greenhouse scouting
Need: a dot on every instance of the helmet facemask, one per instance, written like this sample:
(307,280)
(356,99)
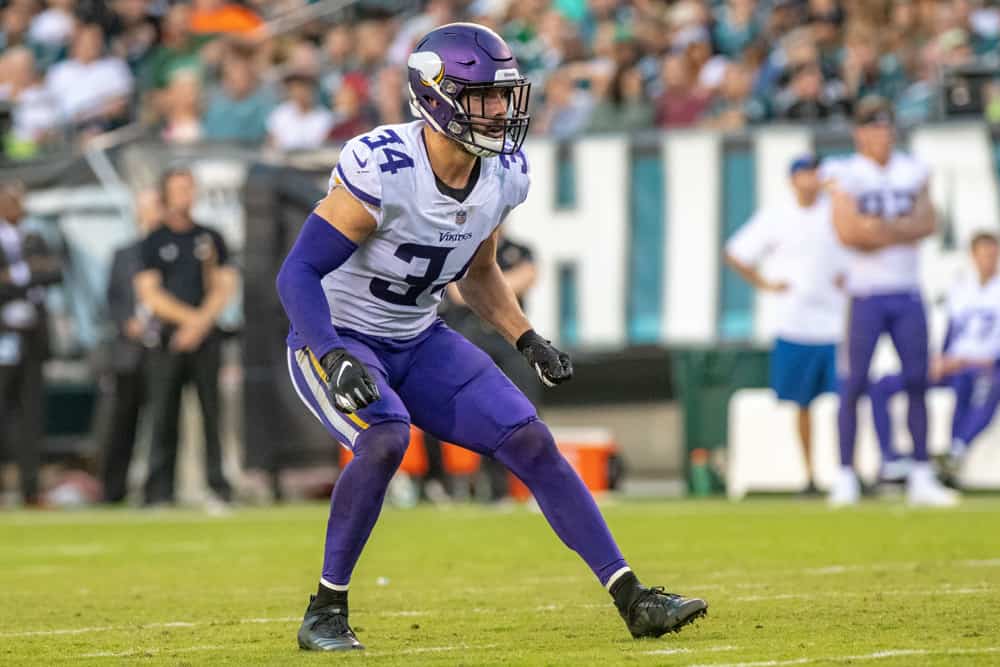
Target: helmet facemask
(482,130)
(459,109)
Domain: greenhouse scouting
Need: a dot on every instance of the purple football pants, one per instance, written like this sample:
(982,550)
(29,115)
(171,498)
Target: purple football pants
(451,389)
(971,416)
(902,316)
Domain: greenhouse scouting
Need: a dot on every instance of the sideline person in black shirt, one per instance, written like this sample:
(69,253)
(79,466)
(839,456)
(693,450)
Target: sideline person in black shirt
(135,330)
(186,282)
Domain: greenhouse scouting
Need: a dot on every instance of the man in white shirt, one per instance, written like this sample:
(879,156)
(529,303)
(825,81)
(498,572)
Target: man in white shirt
(968,363)
(299,123)
(792,251)
(35,110)
(92,90)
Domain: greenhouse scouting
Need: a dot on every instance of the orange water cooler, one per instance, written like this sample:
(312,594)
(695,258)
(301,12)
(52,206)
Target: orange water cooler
(588,450)
(457,461)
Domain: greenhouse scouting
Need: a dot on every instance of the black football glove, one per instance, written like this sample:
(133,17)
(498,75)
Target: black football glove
(348,381)
(553,367)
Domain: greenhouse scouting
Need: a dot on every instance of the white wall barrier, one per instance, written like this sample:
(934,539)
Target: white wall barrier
(764,456)
(592,237)
(693,176)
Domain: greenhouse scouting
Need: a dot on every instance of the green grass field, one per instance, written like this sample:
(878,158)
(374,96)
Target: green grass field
(788,583)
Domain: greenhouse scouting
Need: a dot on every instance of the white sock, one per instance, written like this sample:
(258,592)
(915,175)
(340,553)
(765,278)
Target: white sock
(616,576)
(332,586)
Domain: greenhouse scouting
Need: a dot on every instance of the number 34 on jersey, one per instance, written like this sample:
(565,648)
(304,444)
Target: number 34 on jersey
(423,240)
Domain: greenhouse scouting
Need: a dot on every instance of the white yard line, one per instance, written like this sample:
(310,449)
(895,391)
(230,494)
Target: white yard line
(141,626)
(826,570)
(139,652)
(877,655)
(989,562)
(434,649)
(406,613)
(683,651)
(72,550)
(134,653)
(844,594)
(62,631)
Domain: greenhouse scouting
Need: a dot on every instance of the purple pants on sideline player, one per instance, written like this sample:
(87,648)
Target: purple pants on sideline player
(902,316)
(451,389)
(971,416)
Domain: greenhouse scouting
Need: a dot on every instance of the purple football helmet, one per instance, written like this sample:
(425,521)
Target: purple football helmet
(465,82)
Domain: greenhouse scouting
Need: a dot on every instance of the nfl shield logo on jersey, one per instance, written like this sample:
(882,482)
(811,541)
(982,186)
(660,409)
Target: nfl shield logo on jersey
(460,217)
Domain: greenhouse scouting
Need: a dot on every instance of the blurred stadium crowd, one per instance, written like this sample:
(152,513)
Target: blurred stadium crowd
(296,74)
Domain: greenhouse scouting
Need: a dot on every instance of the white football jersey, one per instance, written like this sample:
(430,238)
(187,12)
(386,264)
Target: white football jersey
(798,246)
(974,320)
(392,285)
(887,192)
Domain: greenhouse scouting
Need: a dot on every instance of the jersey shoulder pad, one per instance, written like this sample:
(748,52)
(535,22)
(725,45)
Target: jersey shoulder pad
(357,172)
(516,175)
(914,166)
(834,168)
(956,296)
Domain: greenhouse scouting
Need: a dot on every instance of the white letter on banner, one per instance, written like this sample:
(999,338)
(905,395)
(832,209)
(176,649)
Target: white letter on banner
(963,181)
(693,175)
(964,190)
(592,236)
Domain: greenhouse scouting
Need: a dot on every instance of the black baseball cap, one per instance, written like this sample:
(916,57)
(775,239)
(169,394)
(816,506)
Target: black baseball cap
(872,110)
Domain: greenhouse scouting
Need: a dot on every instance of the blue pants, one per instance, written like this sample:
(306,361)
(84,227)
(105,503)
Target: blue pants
(902,316)
(800,372)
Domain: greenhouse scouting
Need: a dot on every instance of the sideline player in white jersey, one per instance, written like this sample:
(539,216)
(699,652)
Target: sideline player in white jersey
(792,251)
(411,208)
(970,357)
(881,209)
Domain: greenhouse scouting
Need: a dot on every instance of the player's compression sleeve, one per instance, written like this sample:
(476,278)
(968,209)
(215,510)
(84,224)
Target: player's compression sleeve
(319,250)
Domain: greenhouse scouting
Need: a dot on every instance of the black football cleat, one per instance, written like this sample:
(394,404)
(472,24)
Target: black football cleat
(326,629)
(654,612)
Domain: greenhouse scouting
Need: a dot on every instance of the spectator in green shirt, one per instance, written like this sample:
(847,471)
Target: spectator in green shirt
(180,49)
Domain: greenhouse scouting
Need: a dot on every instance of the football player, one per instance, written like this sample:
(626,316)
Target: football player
(881,209)
(411,208)
(968,358)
